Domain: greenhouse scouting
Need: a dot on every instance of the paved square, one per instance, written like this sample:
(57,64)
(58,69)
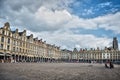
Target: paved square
(57,71)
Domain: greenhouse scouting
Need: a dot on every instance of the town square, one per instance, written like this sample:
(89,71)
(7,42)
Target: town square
(57,71)
(59,39)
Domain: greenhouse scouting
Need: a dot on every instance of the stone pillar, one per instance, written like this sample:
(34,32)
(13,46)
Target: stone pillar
(4,58)
(18,58)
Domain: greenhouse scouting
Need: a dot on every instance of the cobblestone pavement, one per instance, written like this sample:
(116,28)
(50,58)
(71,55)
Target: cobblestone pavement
(57,71)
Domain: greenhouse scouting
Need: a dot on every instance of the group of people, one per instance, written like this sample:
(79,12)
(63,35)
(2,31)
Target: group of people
(109,65)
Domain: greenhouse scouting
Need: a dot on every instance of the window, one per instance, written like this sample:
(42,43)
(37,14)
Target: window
(20,49)
(13,48)
(2,39)
(20,43)
(9,34)
(14,42)
(1,47)
(17,48)
(3,32)
(8,40)
(17,43)
(8,47)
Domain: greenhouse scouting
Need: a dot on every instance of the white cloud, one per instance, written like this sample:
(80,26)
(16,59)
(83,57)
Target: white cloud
(109,22)
(119,46)
(63,19)
(105,4)
(69,40)
(57,4)
(52,18)
(88,11)
(51,15)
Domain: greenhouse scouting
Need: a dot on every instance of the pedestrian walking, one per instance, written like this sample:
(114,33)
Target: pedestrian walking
(106,66)
(111,65)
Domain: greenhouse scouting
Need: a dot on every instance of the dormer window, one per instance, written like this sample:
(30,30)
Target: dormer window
(3,32)
(8,28)
(9,34)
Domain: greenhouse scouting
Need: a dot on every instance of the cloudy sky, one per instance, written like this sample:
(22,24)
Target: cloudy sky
(65,23)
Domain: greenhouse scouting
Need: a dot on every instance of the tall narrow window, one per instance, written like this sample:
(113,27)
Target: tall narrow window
(1,47)
(13,48)
(17,48)
(20,49)
(2,39)
(8,47)
(9,34)
(8,40)
(3,32)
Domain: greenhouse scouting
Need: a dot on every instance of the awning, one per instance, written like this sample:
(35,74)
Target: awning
(2,54)
(8,54)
